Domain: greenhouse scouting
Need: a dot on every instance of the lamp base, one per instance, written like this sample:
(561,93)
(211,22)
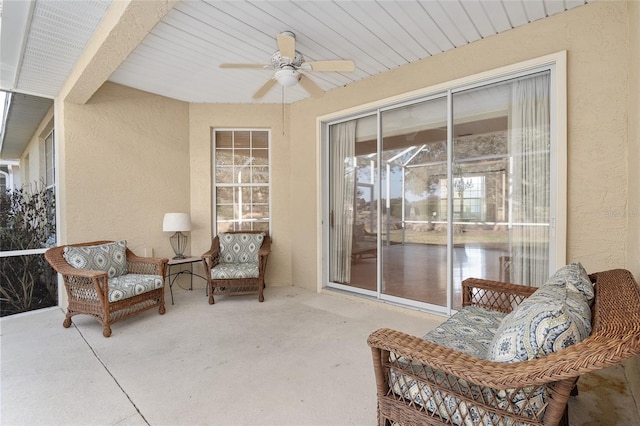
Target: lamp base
(178,244)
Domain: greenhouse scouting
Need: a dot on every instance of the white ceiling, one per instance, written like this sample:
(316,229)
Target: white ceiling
(180,57)
(41,40)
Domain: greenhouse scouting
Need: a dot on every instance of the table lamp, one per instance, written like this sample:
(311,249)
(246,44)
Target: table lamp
(177,222)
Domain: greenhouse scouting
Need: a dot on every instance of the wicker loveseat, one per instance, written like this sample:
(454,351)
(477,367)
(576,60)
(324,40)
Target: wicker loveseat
(422,382)
(106,280)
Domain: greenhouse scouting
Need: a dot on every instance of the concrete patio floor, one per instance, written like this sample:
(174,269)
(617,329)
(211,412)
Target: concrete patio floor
(299,358)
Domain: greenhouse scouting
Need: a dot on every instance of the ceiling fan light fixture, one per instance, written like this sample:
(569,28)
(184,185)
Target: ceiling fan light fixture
(287,77)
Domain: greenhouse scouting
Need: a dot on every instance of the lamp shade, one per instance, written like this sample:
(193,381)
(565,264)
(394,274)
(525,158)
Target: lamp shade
(176,222)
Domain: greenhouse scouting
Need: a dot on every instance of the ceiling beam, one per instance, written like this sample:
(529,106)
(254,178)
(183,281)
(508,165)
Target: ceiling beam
(123,28)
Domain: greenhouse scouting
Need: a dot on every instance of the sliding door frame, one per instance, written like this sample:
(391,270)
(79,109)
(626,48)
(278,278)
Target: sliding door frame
(556,64)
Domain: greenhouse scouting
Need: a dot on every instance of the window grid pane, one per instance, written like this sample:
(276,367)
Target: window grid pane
(241,179)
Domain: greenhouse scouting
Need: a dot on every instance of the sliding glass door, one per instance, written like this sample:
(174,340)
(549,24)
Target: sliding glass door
(424,194)
(413,155)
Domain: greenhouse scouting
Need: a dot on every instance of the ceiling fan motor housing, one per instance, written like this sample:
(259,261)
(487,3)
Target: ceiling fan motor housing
(278,62)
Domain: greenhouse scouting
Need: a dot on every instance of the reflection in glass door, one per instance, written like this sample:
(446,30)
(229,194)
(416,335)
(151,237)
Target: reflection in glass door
(414,233)
(353,204)
(501,182)
(426,194)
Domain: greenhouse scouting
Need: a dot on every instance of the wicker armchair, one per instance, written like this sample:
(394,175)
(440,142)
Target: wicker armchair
(236,263)
(92,292)
(490,389)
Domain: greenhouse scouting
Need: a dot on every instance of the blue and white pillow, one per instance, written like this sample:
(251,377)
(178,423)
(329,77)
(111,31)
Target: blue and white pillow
(575,278)
(240,247)
(553,318)
(110,258)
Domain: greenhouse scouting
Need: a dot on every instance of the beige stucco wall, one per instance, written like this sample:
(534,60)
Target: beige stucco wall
(634,141)
(596,38)
(632,367)
(125,156)
(205,117)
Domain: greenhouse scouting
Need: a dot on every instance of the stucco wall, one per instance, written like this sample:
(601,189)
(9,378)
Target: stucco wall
(205,117)
(125,156)
(596,38)
(632,367)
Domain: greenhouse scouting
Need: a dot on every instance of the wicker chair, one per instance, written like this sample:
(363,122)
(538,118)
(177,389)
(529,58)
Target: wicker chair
(488,387)
(88,290)
(227,274)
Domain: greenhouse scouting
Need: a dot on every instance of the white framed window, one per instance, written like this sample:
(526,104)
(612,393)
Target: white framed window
(241,176)
(49,161)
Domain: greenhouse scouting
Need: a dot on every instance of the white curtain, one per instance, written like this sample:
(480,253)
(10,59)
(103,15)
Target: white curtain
(342,195)
(529,146)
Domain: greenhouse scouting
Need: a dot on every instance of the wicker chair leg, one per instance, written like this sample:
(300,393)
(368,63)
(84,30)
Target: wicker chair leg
(107,331)
(162,310)
(67,322)
(211,301)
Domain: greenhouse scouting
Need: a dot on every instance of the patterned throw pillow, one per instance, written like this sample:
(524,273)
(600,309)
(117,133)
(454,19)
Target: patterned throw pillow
(240,248)
(575,278)
(551,319)
(110,258)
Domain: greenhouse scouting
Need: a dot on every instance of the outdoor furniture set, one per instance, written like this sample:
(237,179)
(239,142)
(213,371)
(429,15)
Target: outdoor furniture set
(106,280)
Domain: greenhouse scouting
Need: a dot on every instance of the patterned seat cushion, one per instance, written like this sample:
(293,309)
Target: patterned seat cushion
(225,271)
(470,331)
(240,247)
(128,285)
(110,258)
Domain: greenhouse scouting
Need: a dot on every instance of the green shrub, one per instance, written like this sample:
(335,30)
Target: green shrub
(27,221)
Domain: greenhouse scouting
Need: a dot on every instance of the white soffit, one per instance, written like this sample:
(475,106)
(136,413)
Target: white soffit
(24,115)
(42,51)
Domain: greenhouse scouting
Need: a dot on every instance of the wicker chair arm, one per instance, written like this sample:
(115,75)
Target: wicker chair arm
(63,268)
(69,270)
(211,256)
(495,295)
(145,265)
(265,248)
(592,354)
(463,366)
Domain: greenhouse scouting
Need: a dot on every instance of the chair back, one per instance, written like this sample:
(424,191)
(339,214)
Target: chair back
(240,247)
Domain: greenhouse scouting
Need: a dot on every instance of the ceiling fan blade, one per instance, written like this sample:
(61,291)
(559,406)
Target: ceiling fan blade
(264,88)
(287,45)
(337,66)
(243,66)
(311,87)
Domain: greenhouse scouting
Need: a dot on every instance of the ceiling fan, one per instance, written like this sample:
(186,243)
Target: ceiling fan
(288,64)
